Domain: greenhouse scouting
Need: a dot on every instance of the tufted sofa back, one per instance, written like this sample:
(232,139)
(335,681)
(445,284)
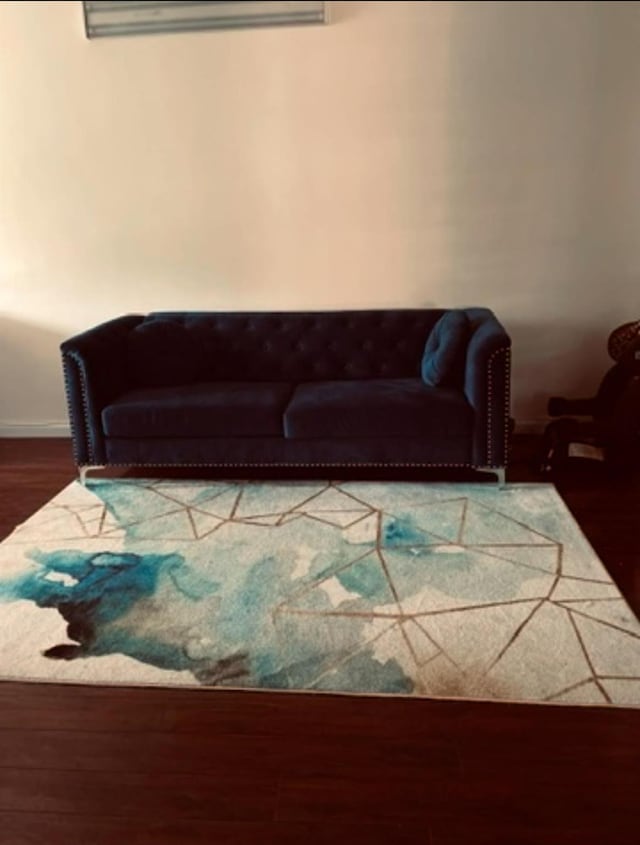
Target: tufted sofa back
(282,346)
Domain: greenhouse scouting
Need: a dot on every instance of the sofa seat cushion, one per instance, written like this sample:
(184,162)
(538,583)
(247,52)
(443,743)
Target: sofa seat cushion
(377,408)
(212,409)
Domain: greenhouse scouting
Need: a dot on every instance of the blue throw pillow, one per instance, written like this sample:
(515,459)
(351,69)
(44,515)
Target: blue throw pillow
(445,352)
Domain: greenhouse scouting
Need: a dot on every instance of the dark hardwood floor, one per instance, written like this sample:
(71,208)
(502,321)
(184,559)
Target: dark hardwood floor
(97,765)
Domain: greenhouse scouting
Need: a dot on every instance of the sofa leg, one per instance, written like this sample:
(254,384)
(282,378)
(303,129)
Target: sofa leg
(85,469)
(499,472)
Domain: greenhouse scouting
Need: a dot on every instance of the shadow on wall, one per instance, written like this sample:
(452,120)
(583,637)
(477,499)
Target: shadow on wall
(556,359)
(540,104)
(32,385)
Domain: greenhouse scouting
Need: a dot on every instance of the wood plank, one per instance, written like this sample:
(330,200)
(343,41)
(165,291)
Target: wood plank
(314,754)
(158,795)
(153,765)
(375,796)
(188,711)
(562,832)
(55,829)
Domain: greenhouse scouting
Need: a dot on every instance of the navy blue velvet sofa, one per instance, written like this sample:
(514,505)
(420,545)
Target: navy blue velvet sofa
(312,389)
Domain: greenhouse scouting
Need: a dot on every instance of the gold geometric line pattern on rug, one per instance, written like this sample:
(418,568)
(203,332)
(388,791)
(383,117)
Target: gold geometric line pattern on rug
(103,520)
(79,517)
(463,520)
(347,640)
(578,613)
(580,580)
(448,515)
(66,513)
(154,502)
(321,512)
(520,628)
(236,504)
(479,640)
(409,644)
(622,691)
(511,548)
(458,535)
(192,523)
(87,516)
(203,523)
(605,684)
(173,526)
(611,611)
(380,552)
(433,642)
(423,646)
(452,588)
(573,589)
(305,589)
(469,607)
(166,505)
(329,499)
(610,655)
(619,677)
(223,507)
(440,677)
(499,580)
(389,579)
(585,651)
(541,601)
(186,495)
(286,518)
(337,519)
(514,636)
(71,517)
(285,500)
(406,648)
(429,537)
(546,557)
(345,658)
(548,630)
(363,530)
(584,692)
(597,599)
(436,636)
(421,619)
(412,496)
(259,521)
(356,614)
(356,499)
(484,523)
(325,498)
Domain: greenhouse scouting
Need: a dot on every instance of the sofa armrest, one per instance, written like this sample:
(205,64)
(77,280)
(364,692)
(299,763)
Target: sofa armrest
(487,387)
(95,372)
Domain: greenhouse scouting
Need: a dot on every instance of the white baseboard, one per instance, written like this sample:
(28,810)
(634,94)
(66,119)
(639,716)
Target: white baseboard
(61,429)
(46,429)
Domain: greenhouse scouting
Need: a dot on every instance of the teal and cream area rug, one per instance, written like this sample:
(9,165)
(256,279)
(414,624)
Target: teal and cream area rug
(442,590)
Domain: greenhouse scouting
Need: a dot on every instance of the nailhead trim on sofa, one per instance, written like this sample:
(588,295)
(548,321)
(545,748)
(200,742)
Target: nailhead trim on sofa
(506,350)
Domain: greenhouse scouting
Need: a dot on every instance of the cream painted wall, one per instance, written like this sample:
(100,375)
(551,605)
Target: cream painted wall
(408,154)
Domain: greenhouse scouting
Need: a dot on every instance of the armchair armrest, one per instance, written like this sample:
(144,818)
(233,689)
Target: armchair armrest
(95,372)
(487,387)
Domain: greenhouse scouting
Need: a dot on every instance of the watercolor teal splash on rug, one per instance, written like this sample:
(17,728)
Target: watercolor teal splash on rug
(381,588)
